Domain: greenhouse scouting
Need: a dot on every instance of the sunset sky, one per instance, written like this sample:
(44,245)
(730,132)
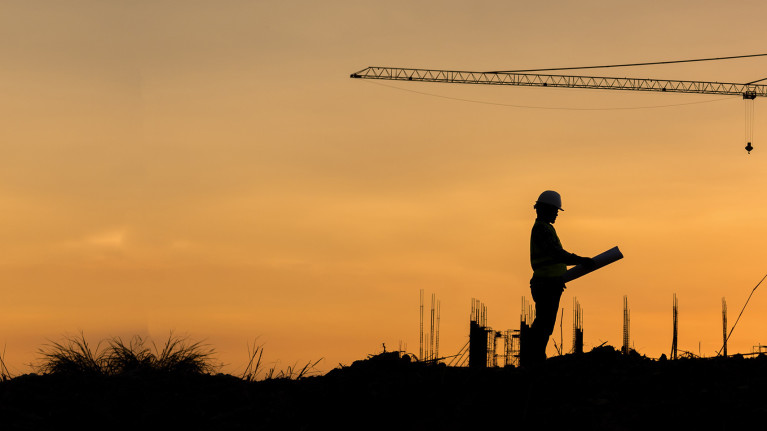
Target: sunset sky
(209,168)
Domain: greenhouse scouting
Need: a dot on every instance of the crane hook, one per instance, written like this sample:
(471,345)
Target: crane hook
(749,97)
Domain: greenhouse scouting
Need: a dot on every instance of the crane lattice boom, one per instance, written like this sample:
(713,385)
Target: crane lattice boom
(748,91)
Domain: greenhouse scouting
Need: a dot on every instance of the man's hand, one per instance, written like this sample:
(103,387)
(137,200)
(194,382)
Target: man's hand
(588,263)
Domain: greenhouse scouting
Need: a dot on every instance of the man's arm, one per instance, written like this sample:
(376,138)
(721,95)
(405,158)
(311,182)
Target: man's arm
(551,246)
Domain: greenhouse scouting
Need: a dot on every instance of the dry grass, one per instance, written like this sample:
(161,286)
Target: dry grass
(76,356)
(254,364)
(179,355)
(292,372)
(72,356)
(124,358)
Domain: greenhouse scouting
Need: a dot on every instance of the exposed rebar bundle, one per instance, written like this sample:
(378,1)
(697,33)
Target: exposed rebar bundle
(675,311)
(724,327)
(626,322)
(577,327)
(436,335)
(431,331)
(420,351)
(525,321)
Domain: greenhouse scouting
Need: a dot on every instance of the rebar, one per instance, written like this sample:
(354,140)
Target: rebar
(420,352)
(724,327)
(675,313)
(626,323)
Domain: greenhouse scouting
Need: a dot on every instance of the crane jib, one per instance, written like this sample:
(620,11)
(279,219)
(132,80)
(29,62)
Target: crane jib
(748,91)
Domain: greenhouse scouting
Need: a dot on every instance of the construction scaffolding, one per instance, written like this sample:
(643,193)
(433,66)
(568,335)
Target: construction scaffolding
(492,345)
(511,348)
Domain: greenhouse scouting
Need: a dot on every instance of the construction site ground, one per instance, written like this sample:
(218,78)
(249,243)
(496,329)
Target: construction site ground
(599,390)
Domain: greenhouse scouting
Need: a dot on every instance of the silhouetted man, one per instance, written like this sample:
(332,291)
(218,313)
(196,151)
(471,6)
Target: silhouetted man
(549,261)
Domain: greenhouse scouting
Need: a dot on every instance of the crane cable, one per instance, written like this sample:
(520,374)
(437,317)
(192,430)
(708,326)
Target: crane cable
(741,313)
(634,64)
(754,82)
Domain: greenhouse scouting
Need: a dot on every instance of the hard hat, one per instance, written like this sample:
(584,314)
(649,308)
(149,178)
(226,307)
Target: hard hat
(550,197)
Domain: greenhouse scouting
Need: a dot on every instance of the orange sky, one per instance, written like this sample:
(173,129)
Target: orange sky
(209,168)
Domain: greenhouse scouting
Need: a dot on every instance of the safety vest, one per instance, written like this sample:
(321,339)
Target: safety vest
(546,251)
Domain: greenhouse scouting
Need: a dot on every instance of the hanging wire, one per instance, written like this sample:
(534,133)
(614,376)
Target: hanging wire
(545,107)
(749,124)
(747,105)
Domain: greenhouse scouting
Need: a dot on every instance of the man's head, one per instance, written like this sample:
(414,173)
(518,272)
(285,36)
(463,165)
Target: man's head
(548,205)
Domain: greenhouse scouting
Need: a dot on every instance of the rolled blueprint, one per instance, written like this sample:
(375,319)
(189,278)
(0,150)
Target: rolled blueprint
(601,260)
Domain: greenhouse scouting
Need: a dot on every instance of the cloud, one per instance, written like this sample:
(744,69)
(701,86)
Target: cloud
(111,239)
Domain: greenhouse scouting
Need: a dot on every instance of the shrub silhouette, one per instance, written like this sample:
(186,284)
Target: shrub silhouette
(76,356)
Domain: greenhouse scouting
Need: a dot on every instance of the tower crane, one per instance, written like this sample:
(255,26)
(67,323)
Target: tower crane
(749,91)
